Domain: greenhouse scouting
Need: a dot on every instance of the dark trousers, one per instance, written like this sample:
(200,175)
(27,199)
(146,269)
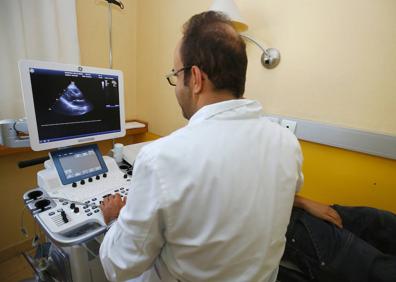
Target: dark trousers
(363,251)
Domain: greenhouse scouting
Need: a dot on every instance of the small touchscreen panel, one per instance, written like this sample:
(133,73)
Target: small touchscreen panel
(75,164)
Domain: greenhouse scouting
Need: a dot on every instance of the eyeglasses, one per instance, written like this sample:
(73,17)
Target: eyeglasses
(173,75)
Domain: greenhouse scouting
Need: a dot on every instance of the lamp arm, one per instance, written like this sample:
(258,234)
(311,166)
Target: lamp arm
(270,57)
(255,42)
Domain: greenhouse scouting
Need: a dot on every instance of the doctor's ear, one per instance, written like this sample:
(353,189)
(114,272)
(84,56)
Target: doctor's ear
(197,79)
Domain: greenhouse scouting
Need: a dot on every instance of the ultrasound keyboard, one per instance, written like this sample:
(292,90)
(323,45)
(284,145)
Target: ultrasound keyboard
(70,214)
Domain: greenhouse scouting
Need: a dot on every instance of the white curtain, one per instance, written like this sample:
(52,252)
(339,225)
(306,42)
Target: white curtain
(33,29)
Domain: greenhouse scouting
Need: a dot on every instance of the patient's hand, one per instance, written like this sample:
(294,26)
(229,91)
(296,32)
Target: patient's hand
(111,207)
(319,210)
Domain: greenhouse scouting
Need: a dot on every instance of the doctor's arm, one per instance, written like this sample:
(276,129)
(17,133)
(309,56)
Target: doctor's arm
(135,239)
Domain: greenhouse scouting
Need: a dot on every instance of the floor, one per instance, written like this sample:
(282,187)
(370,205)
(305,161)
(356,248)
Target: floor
(16,269)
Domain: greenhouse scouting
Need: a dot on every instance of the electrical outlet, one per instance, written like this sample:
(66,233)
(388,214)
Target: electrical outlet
(289,124)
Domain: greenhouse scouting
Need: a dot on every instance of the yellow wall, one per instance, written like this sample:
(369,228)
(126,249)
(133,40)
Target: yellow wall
(338,60)
(343,177)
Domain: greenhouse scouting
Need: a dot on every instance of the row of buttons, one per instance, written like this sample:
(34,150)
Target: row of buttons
(95,209)
(90,179)
(88,211)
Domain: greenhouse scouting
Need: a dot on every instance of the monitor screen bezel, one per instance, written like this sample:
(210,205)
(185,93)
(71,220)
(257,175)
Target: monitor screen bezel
(27,92)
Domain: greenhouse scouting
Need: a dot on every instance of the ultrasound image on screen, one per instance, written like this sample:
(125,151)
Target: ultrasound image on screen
(74,104)
(71,102)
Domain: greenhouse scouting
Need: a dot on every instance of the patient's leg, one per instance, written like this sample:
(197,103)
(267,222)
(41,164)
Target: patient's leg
(328,253)
(377,227)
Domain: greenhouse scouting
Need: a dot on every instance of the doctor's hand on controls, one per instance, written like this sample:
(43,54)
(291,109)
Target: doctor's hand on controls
(111,207)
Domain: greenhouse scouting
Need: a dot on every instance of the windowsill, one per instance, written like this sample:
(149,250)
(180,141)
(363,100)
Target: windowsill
(133,127)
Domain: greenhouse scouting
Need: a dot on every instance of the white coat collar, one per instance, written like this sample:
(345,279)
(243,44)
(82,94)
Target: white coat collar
(242,108)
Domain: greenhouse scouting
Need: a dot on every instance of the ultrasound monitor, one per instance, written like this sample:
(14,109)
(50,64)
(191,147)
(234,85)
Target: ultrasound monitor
(68,105)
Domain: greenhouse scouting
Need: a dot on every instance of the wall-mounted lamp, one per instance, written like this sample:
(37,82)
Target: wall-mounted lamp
(271,56)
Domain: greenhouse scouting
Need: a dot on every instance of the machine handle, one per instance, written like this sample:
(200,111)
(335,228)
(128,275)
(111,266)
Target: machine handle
(23,164)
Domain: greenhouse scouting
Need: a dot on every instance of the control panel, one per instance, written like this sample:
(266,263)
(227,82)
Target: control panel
(69,213)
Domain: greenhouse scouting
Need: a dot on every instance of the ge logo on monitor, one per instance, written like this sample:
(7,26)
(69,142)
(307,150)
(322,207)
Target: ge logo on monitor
(80,68)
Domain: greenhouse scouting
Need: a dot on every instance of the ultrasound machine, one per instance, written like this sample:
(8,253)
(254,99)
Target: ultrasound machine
(69,105)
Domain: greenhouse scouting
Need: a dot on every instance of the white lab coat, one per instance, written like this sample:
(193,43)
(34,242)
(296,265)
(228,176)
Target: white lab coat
(210,202)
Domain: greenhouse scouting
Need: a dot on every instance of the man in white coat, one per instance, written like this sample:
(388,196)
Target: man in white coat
(211,201)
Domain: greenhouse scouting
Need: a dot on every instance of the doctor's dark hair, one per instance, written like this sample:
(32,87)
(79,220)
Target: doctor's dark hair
(211,43)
